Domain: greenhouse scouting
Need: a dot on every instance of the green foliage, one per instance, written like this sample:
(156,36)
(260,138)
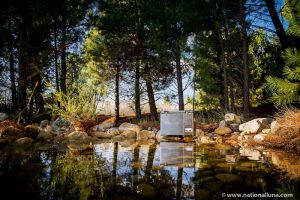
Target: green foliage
(79,103)
(287,90)
(80,176)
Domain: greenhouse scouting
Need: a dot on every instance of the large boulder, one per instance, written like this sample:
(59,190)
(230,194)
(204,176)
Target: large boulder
(223,131)
(129,134)
(24,140)
(255,126)
(60,124)
(102,127)
(10,131)
(231,118)
(31,131)
(129,126)
(45,136)
(145,135)
(78,136)
(3,116)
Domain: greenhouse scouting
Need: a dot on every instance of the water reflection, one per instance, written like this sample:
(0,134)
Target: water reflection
(166,170)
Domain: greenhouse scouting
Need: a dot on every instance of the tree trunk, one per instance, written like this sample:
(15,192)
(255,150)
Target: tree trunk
(277,24)
(223,66)
(135,159)
(63,75)
(150,159)
(179,182)
(38,97)
(232,107)
(245,62)
(117,100)
(22,95)
(137,95)
(11,67)
(179,79)
(115,161)
(151,98)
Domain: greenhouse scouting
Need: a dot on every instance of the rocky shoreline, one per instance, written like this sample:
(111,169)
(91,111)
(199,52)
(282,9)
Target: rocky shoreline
(231,131)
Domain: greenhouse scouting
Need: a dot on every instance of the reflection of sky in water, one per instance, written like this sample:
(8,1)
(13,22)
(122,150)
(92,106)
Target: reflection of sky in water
(125,161)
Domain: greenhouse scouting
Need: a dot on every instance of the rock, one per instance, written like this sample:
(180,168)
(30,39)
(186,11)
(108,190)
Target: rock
(252,154)
(48,129)
(231,158)
(24,140)
(60,123)
(129,134)
(3,142)
(222,124)
(44,123)
(3,116)
(234,127)
(229,178)
(77,135)
(259,137)
(102,127)
(199,133)
(266,131)
(10,131)
(231,118)
(206,140)
(223,146)
(113,132)
(118,138)
(46,136)
(144,135)
(155,130)
(128,126)
(98,134)
(249,164)
(256,125)
(80,147)
(274,127)
(223,131)
(32,131)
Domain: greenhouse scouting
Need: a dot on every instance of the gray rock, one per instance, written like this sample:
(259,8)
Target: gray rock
(24,140)
(44,123)
(102,127)
(222,124)
(77,135)
(45,136)
(98,134)
(129,126)
(144,135)
(3,116)
(60,124)
(129,134)
(234,127)
(231,118)
(256,125)
(113,132)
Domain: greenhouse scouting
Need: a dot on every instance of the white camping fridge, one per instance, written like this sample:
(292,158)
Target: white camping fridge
(178,123)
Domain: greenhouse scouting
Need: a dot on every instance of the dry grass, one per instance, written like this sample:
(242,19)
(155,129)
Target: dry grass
(287,135)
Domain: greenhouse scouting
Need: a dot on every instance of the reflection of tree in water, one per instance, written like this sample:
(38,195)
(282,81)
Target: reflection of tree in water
(79,177)
(21,172)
